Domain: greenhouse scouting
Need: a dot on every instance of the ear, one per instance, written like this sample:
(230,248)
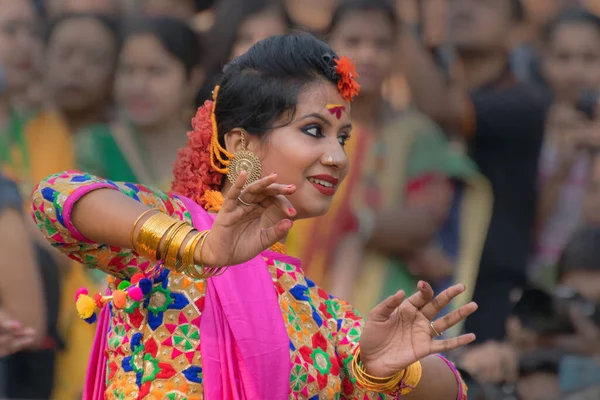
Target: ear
(233,140)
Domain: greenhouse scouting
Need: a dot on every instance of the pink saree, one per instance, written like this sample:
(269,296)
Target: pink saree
(244,343)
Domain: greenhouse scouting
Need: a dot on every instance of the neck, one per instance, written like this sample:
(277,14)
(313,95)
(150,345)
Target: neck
(479,69)
(82,119)
(366,110)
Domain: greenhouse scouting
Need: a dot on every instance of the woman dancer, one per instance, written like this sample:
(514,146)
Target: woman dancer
(177,323)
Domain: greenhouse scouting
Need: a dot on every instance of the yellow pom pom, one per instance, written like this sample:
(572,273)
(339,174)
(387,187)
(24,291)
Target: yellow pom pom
(85,306)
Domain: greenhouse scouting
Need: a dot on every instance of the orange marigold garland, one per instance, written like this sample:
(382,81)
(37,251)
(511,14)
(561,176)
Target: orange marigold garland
(193,174)
(347,84)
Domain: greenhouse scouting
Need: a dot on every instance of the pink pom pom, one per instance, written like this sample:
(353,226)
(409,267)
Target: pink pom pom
(80,291)
(135,293)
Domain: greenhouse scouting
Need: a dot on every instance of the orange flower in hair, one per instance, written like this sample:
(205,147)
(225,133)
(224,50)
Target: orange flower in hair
(347,84)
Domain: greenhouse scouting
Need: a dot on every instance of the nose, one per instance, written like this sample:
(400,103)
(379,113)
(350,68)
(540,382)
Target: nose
(335,157)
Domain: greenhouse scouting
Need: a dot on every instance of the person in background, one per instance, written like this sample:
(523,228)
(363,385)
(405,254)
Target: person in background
(71,132)
(28,304)
(238,25)
(80,59)
(571,65)
(157,79)
(20,45)
(502,122)
(569,351)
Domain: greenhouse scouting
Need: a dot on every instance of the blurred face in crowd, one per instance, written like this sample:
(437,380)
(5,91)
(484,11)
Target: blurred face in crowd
(20,43)
(368,39)
(479,25)
(81,56)
(151,84)
(184,9)
(256,28)
(572,60)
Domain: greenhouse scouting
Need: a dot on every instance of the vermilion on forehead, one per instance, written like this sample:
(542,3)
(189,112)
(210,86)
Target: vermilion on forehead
(336,109)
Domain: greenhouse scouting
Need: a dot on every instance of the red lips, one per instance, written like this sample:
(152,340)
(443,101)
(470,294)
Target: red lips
(326,190)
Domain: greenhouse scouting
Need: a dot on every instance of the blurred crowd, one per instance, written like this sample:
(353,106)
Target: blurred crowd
(475,158)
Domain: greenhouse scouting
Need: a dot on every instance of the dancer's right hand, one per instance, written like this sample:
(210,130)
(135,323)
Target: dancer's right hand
(241,232)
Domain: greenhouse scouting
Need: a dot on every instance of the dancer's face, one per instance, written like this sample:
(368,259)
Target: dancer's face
(308,152)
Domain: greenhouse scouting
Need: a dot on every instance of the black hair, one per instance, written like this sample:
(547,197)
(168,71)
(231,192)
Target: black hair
(582,252)
(176,36)
(517,10)
(346,7)
(574,15)
(229,15)
(111,24)
(262,86)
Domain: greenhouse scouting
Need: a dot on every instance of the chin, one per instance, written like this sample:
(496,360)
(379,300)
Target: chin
(313,209)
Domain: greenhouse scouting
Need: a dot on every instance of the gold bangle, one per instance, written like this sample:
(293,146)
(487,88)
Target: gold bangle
(387,385)
(173,245)
(189,267)
(152,233)
(137,221)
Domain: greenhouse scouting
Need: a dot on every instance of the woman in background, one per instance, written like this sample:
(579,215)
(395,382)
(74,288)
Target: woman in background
(571,65)
(20,47)
(238,25)
(157,79)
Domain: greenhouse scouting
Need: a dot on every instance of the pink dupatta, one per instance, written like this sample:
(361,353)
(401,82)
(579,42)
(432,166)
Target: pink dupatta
(244,343)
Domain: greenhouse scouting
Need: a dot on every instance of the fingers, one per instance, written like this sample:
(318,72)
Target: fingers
(384,310)
(422,296)
(231,198)
(275,233)
(442,346)
(278,207)
(438,303)
(448,321)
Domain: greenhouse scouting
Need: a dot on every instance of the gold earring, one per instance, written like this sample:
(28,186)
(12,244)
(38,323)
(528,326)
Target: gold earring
(244,160)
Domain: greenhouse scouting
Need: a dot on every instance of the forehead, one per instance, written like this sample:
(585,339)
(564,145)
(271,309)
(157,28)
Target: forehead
(315,97)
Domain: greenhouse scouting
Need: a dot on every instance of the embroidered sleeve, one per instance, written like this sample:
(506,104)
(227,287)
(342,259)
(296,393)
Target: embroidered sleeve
(349,329)
(53,200)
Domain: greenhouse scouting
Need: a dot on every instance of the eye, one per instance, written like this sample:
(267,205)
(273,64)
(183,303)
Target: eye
(313,130)
(343,138)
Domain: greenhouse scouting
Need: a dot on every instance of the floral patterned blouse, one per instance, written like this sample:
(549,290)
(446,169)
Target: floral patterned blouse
(154,345)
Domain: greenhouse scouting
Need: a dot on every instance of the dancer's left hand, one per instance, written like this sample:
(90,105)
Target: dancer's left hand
(398,333)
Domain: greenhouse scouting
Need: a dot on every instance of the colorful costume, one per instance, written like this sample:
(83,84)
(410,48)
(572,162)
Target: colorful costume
(153,347)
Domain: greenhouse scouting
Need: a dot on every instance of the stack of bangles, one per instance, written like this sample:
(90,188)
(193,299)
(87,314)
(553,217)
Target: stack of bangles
(162,237)
(401,383)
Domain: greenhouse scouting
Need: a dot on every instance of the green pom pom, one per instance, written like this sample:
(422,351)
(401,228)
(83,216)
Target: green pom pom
(124,285)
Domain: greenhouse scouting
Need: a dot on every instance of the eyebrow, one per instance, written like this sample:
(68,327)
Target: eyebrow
(324,120)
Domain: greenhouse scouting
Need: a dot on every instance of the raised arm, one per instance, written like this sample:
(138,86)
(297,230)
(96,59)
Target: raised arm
(90,219)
